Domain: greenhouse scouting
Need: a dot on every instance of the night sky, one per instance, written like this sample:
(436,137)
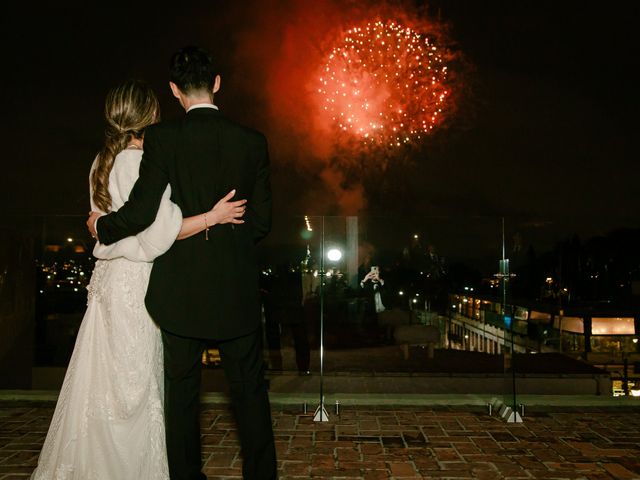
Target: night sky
(542,135)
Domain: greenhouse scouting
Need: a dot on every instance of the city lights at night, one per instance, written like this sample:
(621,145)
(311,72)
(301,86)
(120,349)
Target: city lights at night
(385,84)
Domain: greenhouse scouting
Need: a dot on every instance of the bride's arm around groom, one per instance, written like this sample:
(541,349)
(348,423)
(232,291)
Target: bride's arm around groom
(151,242)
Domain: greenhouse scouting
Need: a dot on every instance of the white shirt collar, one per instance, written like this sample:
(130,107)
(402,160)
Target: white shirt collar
(202,105)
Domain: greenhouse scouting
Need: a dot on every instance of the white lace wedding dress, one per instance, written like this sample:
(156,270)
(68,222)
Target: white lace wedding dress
(108,423)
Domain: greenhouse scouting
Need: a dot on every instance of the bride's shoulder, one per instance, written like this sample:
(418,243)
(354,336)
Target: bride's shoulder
(130,154)
(127,162)
(128,157)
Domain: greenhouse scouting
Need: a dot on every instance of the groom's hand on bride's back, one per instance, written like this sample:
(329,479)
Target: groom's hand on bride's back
(227,211)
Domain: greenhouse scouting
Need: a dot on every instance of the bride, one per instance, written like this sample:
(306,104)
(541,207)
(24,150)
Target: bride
(108,422)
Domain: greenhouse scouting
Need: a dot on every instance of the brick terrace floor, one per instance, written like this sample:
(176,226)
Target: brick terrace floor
(393,443)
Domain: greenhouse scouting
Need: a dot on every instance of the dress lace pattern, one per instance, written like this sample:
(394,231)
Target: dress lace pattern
(109,422)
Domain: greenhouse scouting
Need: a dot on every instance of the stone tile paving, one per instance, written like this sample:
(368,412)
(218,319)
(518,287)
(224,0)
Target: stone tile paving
(379,443)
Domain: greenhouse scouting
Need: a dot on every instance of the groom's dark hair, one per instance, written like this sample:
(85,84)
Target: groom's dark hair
(192,69)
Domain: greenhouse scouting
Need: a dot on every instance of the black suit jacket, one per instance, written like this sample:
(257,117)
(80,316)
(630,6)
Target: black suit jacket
(201,288)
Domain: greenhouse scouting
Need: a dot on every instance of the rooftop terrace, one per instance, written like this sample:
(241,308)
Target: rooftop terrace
(446,438)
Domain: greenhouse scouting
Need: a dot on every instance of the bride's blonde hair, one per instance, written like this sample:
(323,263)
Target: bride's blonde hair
(129,109)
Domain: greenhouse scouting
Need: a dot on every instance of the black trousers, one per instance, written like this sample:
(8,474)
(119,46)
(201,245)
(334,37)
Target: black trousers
(243,365)
(276,321)
(301,345)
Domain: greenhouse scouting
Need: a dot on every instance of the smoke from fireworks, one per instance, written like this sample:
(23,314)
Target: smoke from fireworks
(283,53)
(384,83)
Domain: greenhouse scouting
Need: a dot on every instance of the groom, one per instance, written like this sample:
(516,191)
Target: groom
(205,287)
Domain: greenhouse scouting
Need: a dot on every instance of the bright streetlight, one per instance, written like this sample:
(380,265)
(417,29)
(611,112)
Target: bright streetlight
(334,254)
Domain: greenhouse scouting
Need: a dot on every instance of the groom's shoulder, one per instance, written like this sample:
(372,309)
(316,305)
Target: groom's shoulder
(164,127)
(246,133)
(161,131)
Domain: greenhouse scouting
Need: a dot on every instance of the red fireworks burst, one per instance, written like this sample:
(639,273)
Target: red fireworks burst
(385,84)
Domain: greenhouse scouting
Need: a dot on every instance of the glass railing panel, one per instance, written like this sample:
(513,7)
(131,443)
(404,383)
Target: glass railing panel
(575,313)
(64,264)
(569,308)
(46,265)
(425,319)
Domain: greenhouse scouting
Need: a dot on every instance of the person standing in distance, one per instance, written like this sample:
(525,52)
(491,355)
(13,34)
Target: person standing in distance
(205,287)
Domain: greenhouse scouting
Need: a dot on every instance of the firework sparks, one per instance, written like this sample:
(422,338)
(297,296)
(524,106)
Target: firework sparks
(384,84)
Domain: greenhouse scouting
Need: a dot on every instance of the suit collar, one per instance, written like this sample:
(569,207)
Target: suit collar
(202,105)
(203,111)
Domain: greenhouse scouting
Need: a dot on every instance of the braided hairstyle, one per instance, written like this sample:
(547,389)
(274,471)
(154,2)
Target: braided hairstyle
(129,109)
